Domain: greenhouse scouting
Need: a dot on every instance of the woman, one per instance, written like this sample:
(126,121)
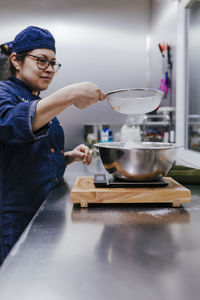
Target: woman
(32,159)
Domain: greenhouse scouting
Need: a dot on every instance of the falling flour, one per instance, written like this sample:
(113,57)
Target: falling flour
(130,145)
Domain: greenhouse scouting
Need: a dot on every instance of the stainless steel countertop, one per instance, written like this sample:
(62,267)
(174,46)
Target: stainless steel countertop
(105,252)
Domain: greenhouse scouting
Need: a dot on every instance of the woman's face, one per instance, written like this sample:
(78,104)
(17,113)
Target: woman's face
(34,77)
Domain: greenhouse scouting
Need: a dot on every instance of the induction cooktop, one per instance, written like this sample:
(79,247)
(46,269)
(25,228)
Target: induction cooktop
(102,181)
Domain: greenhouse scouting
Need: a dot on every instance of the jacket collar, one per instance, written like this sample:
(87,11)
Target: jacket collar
(21,83)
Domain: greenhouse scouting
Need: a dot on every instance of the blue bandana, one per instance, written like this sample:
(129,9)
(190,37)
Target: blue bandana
(32,38)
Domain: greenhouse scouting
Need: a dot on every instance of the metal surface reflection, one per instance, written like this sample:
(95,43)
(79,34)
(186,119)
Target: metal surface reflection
(125,214)
(106,251)
(134,237)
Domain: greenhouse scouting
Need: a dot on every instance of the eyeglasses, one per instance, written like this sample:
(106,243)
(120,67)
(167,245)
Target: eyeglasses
(43,63)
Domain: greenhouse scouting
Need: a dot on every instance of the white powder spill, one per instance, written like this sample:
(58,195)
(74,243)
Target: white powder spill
(157,212)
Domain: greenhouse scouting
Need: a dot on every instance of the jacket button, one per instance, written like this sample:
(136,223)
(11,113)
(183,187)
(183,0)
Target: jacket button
(52,150)
(55,179)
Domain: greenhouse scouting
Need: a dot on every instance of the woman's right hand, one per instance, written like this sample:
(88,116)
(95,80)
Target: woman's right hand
(85,94)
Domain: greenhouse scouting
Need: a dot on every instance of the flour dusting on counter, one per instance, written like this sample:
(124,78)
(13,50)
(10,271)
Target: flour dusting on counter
(157,212)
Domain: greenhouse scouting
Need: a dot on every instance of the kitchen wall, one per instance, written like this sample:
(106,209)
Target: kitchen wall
(163,28)
(101,41)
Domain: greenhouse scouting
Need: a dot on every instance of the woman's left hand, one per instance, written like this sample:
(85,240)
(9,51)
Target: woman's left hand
(80,153)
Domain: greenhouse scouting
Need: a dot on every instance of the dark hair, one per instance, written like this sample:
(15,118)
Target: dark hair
(6,51)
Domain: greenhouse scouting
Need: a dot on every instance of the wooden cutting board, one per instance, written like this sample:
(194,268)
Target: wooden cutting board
(84,192)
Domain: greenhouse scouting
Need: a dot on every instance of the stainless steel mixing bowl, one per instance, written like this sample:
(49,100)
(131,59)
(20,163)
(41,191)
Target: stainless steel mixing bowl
(145,161)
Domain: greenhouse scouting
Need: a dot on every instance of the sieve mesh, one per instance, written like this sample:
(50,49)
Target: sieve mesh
(134,101)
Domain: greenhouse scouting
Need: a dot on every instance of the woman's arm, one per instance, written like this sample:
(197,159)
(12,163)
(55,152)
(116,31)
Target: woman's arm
(81,95)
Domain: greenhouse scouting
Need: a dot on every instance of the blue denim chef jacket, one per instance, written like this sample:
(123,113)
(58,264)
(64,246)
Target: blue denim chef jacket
(31,164)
